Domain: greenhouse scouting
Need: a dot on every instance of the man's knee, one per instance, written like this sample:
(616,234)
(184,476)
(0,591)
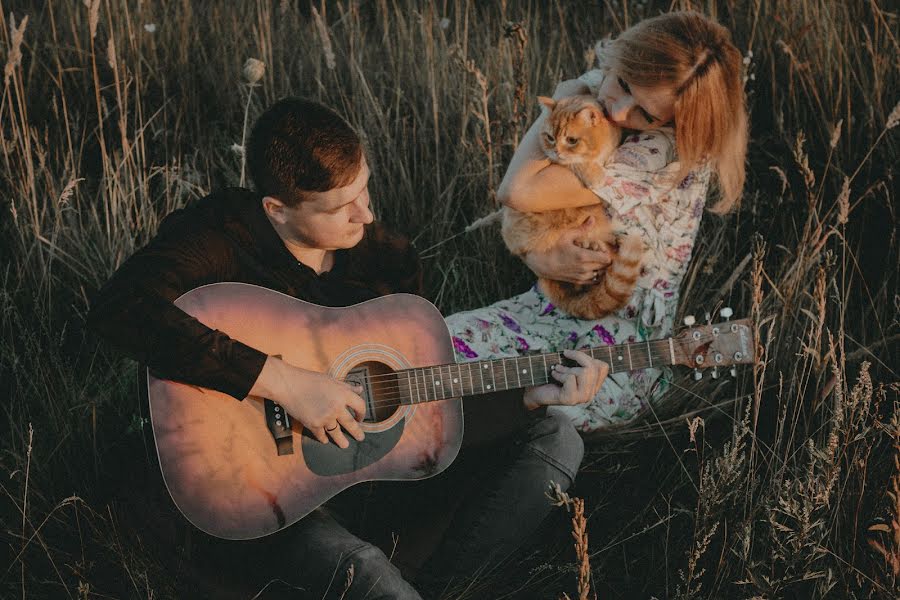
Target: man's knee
(373,577)
(556,440)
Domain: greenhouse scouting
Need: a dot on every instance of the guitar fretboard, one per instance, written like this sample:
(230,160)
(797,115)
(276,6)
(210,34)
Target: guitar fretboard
(439,382)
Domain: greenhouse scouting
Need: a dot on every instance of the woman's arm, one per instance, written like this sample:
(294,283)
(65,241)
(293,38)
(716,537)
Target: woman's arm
(532,183)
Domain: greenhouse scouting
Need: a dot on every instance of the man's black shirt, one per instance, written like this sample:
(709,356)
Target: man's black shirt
(226,236)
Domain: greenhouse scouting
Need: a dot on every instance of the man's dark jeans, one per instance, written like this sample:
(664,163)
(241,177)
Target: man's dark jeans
(503,487)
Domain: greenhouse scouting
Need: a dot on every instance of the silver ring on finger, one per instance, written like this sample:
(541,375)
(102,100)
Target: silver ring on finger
(596,276)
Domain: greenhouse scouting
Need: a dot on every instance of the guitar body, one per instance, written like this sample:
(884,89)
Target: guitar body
(219,457)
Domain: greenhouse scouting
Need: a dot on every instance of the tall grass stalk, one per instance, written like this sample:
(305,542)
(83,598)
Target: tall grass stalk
(781,483)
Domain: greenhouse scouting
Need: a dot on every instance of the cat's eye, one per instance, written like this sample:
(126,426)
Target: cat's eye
(548,138)
(571,140)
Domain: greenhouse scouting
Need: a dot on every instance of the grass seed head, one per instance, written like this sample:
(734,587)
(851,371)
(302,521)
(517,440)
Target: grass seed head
(15,47)
(893,118)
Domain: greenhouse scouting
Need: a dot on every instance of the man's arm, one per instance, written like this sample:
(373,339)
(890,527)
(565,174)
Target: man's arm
(134,311)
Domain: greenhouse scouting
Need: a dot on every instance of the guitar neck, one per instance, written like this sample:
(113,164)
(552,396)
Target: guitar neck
(440,382)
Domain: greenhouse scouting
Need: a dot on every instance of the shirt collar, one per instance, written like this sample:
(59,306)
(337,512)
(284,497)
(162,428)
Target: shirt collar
(271,245)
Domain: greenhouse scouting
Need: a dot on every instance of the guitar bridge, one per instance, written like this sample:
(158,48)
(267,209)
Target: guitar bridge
(279,424)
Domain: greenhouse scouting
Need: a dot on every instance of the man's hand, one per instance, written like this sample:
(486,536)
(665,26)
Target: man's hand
(567,260)
(579,384)
(324,406)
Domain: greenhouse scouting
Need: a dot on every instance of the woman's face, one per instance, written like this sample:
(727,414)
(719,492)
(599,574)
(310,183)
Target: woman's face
(635,107)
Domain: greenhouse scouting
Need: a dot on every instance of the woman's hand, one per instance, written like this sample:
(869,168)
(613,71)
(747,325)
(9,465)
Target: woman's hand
(568,260)
(570,87)
(579,384)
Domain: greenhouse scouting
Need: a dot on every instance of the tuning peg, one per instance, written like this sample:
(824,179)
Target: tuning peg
(690,320)
(715,373)
(698,375)
(726,313)
(733,371)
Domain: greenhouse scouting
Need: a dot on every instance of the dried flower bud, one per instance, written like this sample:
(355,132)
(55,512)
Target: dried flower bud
(254,70)
(843,202)
(894,117)
(836,134)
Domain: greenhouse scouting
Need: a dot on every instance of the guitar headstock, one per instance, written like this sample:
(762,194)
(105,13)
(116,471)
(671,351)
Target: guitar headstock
(715,345)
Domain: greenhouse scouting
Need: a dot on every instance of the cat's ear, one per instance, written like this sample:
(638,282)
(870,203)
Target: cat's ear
(549,103)
(591,115)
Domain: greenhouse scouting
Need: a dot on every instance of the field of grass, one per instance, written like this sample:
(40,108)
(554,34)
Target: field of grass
(782,484)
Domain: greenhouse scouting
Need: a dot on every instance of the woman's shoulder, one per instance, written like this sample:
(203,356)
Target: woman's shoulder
(593,79)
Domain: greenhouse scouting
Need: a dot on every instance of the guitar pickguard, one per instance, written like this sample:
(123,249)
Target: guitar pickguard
(329,459)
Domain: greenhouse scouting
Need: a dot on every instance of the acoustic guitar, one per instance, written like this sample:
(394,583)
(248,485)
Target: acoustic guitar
(243,470)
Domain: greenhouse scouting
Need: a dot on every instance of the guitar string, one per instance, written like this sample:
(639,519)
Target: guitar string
(663,353)
(420,383)
(422,389)
(419,386)
(411,390)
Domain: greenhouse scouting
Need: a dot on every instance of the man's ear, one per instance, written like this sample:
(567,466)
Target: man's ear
(274,209)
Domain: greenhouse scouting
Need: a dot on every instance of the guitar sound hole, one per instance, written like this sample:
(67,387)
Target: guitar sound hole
(381,390)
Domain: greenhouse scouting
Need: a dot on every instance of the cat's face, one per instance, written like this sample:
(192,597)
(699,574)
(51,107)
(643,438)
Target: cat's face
(576,131)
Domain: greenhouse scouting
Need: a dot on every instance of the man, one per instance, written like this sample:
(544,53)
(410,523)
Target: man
(308,232)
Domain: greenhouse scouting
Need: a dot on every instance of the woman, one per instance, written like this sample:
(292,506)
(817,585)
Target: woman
(675,82)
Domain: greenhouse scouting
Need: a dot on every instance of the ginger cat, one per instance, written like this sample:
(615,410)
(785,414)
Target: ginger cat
(577,135)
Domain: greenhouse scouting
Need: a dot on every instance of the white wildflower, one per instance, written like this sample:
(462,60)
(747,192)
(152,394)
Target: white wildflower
(237,149)
(150,27)
(254,70)
(444,23)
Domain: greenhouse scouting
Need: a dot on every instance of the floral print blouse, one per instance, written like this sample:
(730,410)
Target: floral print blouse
(644,197)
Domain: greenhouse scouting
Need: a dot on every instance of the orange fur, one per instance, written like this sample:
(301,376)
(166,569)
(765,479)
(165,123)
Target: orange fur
(575,134)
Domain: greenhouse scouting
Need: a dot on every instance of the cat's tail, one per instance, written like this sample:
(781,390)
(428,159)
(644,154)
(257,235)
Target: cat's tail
(616,287)
(494,217)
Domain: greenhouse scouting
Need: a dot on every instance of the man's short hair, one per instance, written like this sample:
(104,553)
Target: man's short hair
(299,146)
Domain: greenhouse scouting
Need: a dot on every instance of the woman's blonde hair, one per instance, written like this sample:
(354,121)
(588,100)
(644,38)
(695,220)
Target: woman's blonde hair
(693,55)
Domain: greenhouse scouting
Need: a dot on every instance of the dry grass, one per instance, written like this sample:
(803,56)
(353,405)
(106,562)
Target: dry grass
(114,113)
